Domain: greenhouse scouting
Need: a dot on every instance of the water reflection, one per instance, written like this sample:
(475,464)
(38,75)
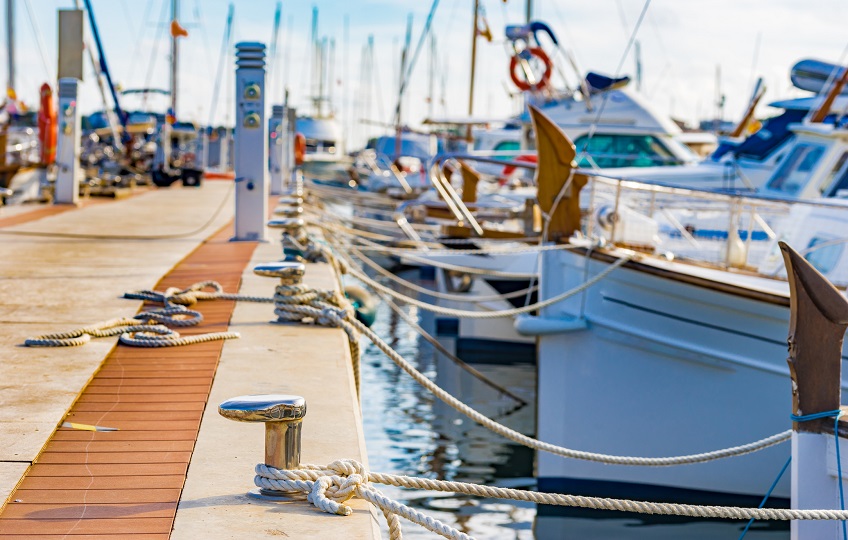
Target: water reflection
(410,432)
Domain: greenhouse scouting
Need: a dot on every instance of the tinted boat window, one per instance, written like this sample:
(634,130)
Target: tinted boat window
(826,257)
(795,170)
(608,151)
(833,172)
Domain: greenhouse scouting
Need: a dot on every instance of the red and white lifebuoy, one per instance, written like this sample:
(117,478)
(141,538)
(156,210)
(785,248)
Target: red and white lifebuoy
(543,81)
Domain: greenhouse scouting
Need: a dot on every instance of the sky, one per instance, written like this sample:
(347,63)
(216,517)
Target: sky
(683,45)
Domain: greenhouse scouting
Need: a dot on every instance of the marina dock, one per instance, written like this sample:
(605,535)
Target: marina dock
(173,461)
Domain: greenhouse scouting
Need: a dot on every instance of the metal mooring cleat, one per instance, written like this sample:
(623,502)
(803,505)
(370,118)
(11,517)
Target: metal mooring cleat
(283,415)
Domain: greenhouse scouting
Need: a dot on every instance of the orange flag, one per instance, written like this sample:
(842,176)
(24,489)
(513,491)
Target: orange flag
(177,30)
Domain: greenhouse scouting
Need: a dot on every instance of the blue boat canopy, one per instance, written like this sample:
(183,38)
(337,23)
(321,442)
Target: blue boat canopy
(601,83)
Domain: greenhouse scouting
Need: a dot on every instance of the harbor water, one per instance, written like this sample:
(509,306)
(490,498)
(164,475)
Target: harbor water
(408,431)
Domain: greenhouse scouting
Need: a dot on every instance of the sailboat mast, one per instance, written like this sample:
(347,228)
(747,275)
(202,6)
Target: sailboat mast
(431,76)
(175,9)
(10,43)
(473,64)
(529,10)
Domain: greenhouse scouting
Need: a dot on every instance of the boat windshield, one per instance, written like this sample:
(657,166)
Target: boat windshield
(795,170)
(607,150)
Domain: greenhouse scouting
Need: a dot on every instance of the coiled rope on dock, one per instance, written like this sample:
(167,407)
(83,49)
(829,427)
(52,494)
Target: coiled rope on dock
(149,329)
(330,486)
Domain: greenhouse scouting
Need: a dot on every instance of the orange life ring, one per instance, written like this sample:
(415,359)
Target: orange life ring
(47,125)
(299,148)
(546,76)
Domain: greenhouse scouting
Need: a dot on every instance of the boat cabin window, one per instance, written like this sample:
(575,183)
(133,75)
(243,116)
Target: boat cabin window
(508,146)
(839,171)
(824,258)
(609,151)
(795,170)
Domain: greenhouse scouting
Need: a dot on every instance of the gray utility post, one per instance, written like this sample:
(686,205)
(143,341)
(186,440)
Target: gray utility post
(290,128)
(251,143)
(818,320)
(276,149)
(68,144)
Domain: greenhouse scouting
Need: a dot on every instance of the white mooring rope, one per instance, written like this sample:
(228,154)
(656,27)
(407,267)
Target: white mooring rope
(329,487)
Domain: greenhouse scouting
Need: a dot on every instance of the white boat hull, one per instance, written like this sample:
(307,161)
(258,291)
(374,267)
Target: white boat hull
(665,367)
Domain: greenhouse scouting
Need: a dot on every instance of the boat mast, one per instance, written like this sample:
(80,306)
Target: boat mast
(473,65)
(529,10)
(10,43)
(175,9)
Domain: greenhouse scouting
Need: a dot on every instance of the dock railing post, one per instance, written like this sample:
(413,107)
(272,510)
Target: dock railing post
(251,143)
(818,320)
(276,149)
(68,144)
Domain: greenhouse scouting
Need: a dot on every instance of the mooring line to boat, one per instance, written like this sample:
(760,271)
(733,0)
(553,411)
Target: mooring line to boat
(367,245)
(330,486)
(437,294)
(467,269)
(334,316)
(503,313)
(450,356)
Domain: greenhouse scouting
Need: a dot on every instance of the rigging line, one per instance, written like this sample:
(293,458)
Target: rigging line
(140,35)
(408,75)
(201,24)
(225,44)
(593,127)
(154,51)
(40,42)
(137,29)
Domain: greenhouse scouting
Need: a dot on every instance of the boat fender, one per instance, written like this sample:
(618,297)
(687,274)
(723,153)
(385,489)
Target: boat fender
(363,304)
(526,54)
(299,148)
(47,126)
(530,325)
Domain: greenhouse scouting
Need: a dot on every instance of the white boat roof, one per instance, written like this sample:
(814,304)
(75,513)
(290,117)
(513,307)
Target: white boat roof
(808,103)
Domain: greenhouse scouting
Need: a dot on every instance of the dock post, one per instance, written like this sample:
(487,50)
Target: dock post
(251,143)
(289,169)
(818,320)
(68,144)
(276,149)
(224,151)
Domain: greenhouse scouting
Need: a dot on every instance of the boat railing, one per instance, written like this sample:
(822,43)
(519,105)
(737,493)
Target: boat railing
(729,231)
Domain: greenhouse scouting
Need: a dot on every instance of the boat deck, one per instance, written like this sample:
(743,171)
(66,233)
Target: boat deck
(174,466)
